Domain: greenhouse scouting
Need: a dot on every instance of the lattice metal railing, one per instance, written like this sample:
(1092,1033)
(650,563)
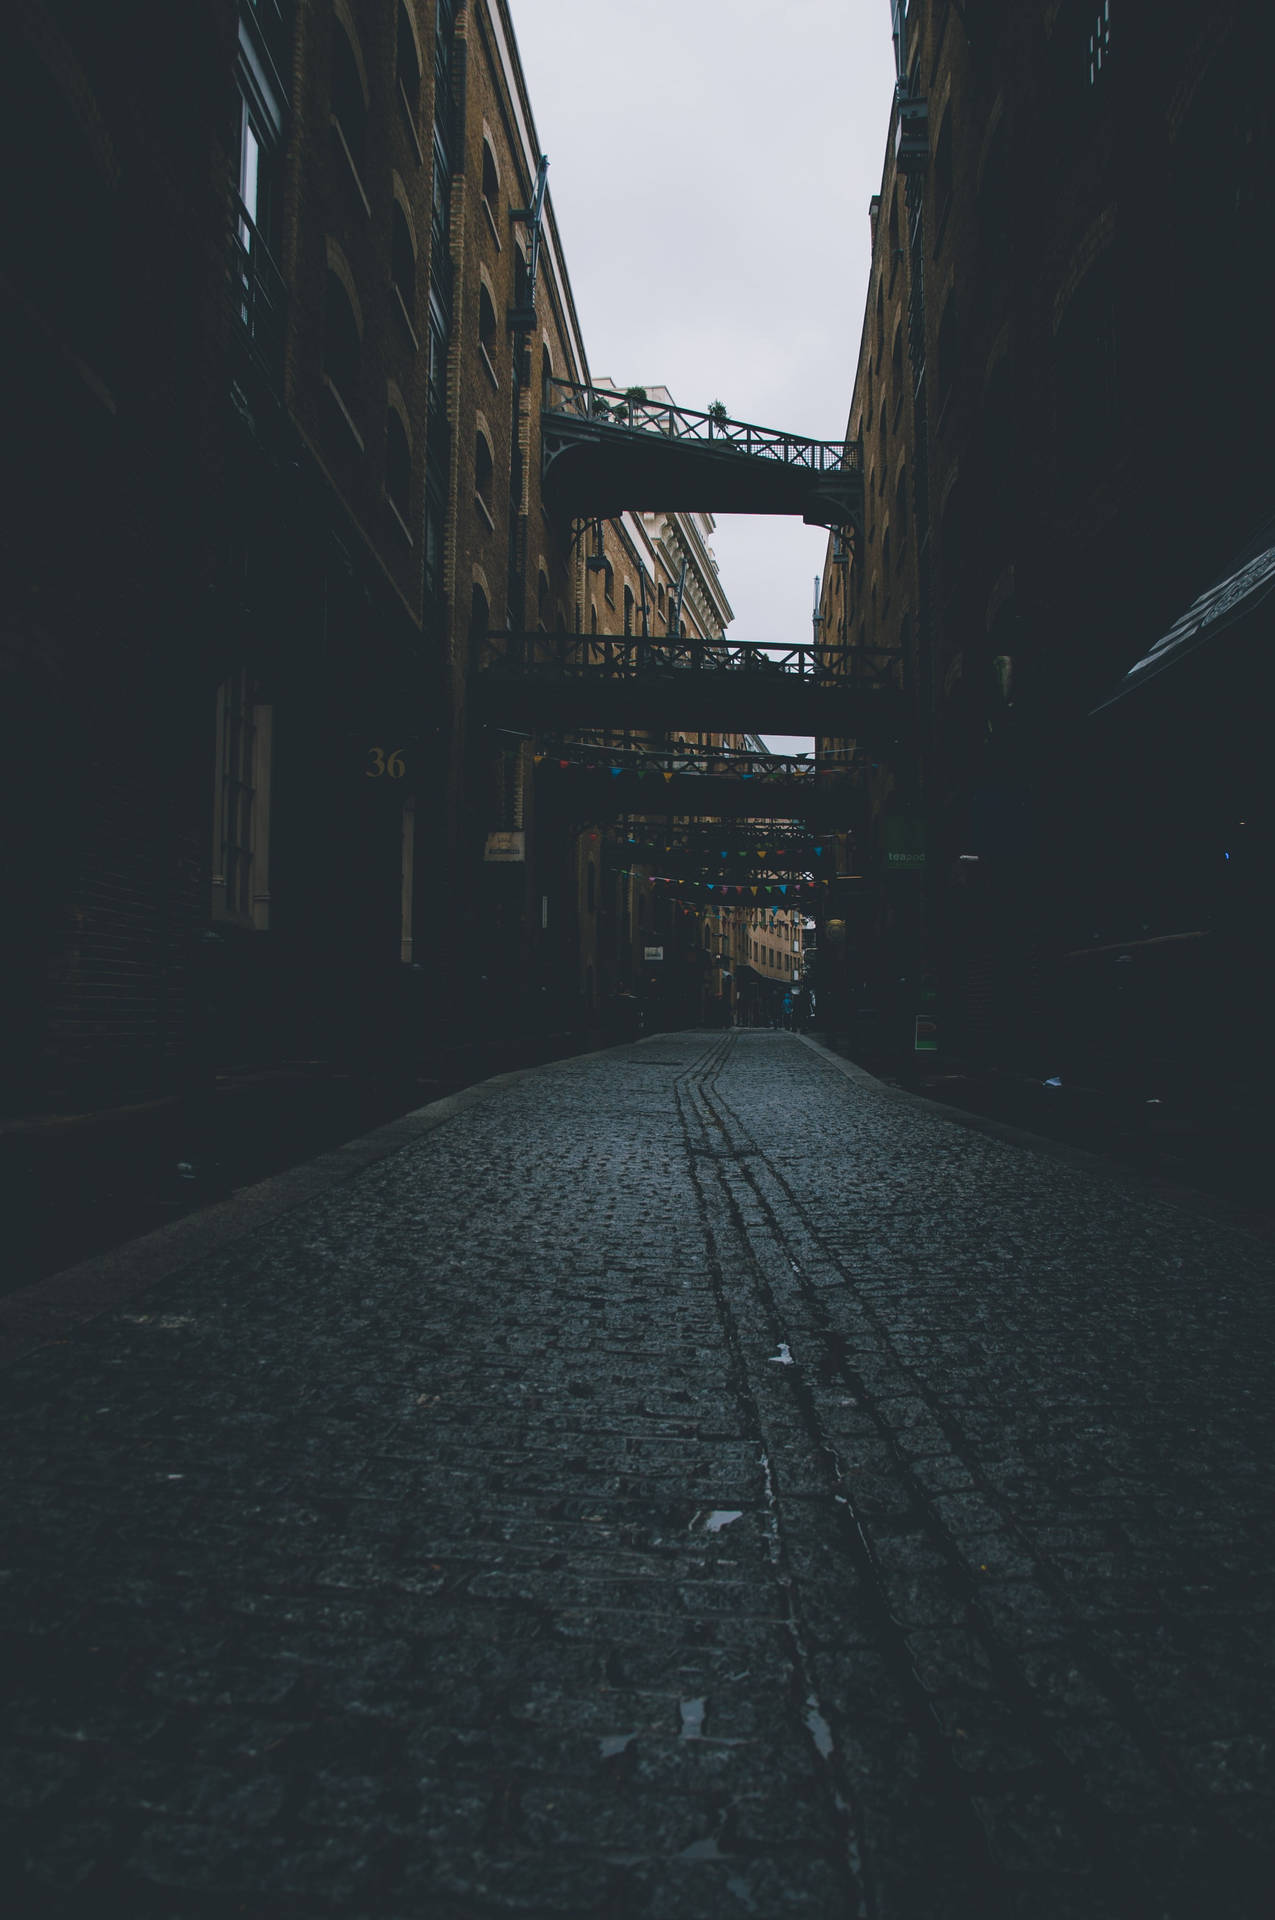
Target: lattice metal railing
(570,656)
(675,757)
(609,407)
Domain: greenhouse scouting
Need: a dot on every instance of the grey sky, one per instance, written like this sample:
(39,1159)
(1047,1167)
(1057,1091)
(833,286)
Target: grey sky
(710,166)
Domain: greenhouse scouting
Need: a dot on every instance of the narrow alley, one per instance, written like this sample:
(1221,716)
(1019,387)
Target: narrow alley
(689,1479)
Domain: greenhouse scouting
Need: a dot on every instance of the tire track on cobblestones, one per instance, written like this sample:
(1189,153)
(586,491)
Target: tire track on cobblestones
(679,1486)
(780,1227)
(936,1468)
(786,1418)
(696,1119)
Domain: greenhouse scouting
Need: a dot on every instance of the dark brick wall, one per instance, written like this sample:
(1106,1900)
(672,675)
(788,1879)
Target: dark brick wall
(113,279)
(1098,407)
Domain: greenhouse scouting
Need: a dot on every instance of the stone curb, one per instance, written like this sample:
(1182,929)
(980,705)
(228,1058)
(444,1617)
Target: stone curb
(51,1308)
(1191,1199)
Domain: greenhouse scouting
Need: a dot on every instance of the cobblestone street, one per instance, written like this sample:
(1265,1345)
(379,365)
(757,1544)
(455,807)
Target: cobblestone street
(690,1480)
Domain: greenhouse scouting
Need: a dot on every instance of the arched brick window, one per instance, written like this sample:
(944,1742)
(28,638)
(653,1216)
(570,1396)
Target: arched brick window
(491,184)
(483,468)
(409,64)
(342,344)
(479,615)
(398,463)
(487,325)
(402,257)
(349,106)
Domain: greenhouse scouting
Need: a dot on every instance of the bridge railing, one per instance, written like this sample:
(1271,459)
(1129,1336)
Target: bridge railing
(605,404)
(675,757)
(631,657)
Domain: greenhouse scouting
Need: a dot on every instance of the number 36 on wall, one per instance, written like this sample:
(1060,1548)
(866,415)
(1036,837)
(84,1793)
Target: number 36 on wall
(385,766)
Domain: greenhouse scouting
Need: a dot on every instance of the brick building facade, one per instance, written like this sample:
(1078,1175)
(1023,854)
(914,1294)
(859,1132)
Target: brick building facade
(1064,400)
(285,326)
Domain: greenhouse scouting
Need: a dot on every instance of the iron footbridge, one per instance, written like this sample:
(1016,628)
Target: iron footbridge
(603,451)
(680,782)
(627,683)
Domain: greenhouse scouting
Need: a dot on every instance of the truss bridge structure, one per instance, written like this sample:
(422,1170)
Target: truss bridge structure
(729,853)
(629,683)
(603,451)
(676,782)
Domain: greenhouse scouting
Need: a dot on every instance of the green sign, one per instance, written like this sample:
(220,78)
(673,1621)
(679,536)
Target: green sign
(904,843)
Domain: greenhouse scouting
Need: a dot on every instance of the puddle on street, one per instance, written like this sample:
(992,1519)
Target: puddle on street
(820,1731)
(702,1850)
(693,1719)
(719,1517)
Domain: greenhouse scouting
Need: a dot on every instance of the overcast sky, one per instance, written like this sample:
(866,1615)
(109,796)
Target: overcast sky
(710,167)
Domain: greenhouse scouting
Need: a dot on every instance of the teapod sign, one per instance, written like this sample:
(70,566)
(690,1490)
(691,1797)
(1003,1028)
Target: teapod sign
(505,846)
(652,953)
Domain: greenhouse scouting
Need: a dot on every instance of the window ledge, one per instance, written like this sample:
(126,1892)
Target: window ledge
(404,315)
(485,357)
(484,510)
(410,121)
(335,124)
(344,412)
(401,523)
(491,222)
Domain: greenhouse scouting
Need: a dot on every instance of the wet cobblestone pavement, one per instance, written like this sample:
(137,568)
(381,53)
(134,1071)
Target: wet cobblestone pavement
(691,1481)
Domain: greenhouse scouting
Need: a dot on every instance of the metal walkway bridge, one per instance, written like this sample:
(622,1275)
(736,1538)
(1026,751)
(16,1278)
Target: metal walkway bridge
(683,782)
(627,683)
(603,451)
(765,850)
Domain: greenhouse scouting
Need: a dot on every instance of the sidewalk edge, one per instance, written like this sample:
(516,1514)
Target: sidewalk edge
(1190,1199)
(50,1309)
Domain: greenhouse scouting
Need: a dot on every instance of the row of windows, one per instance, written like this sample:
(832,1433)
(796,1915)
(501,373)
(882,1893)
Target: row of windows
(769,956)
(342,318)
(342,350)
(350,92)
